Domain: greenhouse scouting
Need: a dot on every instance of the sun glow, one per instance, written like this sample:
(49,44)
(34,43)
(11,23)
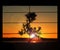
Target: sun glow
(32,35)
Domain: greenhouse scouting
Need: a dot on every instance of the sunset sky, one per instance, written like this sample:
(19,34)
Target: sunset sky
(47,21)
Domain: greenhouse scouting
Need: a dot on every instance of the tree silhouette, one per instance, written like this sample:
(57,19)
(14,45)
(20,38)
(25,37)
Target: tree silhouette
(30,17)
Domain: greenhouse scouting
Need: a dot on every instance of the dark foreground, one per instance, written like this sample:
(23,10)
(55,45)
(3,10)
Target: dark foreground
(45,44)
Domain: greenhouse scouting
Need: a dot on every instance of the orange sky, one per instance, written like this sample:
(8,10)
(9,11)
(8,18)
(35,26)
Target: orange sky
(20,17)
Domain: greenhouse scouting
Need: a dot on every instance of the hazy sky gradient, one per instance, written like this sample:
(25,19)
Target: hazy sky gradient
(20,17)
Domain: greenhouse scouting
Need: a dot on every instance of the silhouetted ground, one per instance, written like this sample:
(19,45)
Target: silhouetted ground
(45,44)
(26,39)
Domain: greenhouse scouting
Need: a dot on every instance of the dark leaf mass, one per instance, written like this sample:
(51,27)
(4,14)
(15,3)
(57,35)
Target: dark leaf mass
(31,16)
